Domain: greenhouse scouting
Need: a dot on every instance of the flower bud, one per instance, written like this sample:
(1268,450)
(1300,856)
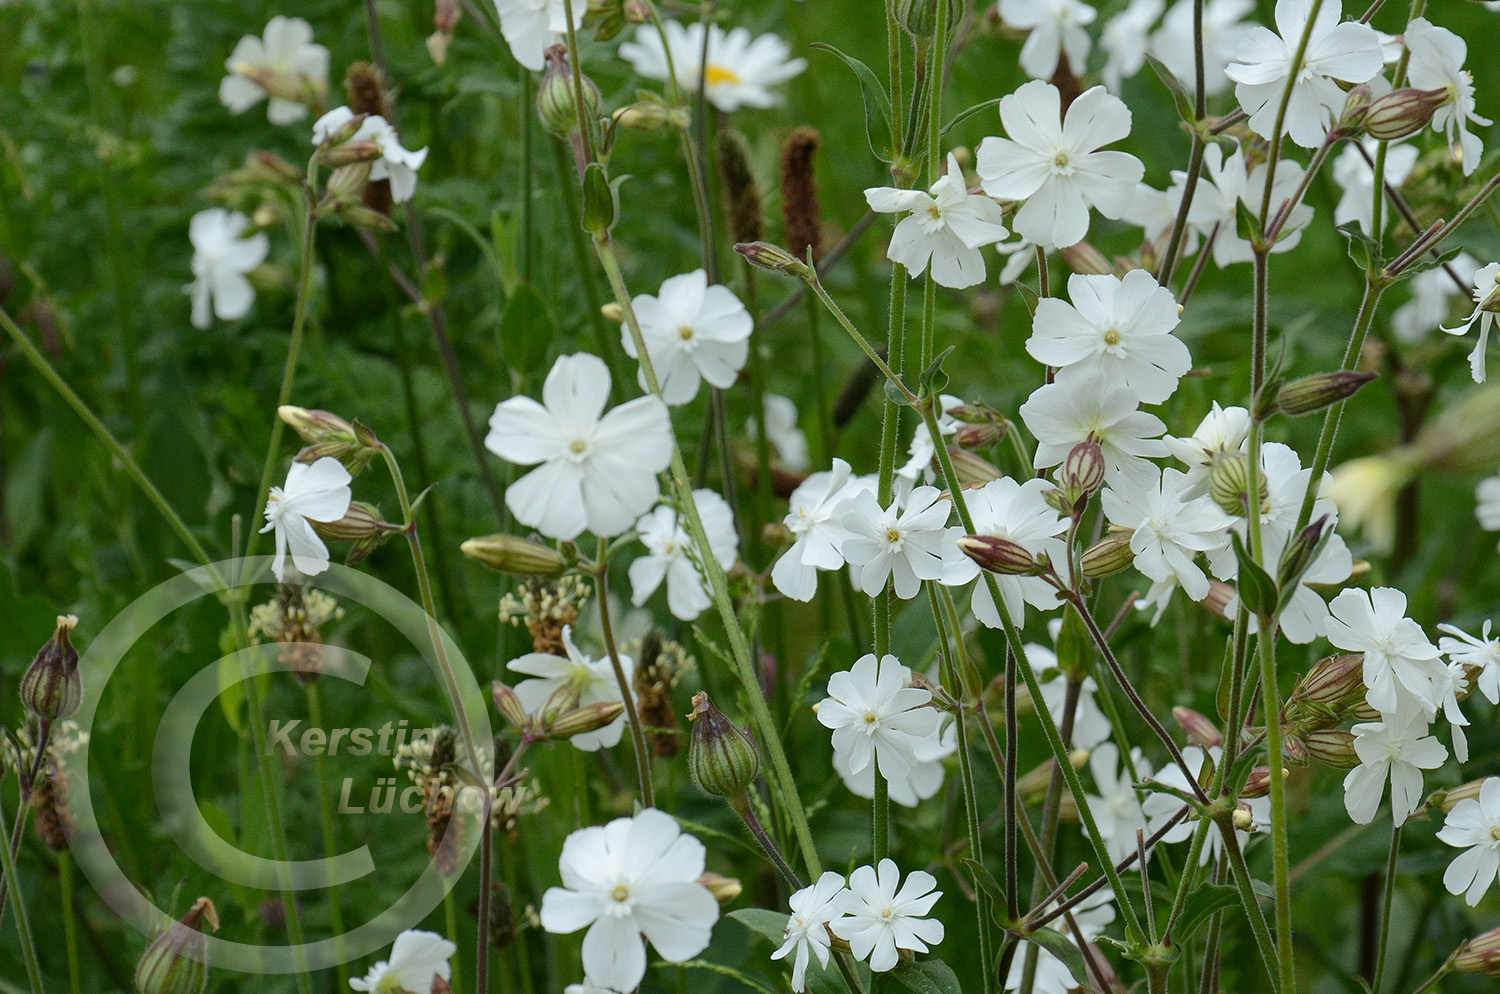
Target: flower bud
(1336,683)
(1480,954)
(556,97)
(1244,818)
(176,961)
(1083,258)
(613,312)
(1259,784)
(722,758)
(1293,749)
(361,521)
(977,413)
(637,11)
(351,443)
(980,436)
(269,167)
(1314,393)
(919,17)
(1356,105)
(1220,596)
(1109,555)
(52,687)
(509,705)
(970,467)
(1001,555)
(1403,112)
(564,700)
(1082,472)
(511,554)
(724,889)
(585,719)
(360,216)
(1332,747)
(348,154)
(1229,483)
(1198,729)
(345,131)
(1448,799)
(651,115)
(768,256)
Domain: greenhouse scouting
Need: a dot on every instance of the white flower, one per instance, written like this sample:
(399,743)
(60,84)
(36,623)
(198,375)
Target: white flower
(1437,63)
(1116,809)
(1124,41)
(813,910)
(908,545)
(1482,653)
(631,878)
(1226,184)
(1399,750)
(316,491)
(1092,915)
(597,473)
(1431,293)
(1224,28)
(1396,650)
(876,717)
(1053,164)
(667,555)
(417,958)
(741,70)
(1090,725)
(587,988)
(221,258)
(1223,429)
(397,164)
(1159,807)
(1474,826)
(816,519)
(1019,512)
(691,330)
(1447,687)
(1119,328)
(920,451)
(1060,415)
(1055,28)
(1168,530)
(879,919)
(921,782)
(593,679)
(285,60)
(1348,51)
(1355,177)
(530,27)
(1155,211)
(1486,301)
(782,432)
(946,225)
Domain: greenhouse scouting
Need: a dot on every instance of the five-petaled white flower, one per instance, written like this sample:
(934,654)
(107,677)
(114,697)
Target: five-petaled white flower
(397,163)
(813,909)
(816,519)
(1395,648)
(1117,808)
(1061,415)
(905,544)
(880,919)
(316,491)
(221,258)
(1348,51)
(1224,28)
(667,543)
(1399,749)
(692,331)
(1054,28)
(1168,528)
(284,65)
(1486,312)
(531,27)
(1474,826)
(947,225)
(593,679)
(922,781)
(741,70)
(1437,63)
(1018,512)
(597,473)
(1124,41)
(1121,328)
(417,958)
(1227,184)
(876,717)
(1483,653)
(631,878)
(1054,164)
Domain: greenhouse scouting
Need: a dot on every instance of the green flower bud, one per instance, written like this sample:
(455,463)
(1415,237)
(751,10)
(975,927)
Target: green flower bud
(1314,393)
(510,554)
(556,97)
(327,434)
(1335,683)
(1332,747)
(1082,473)
(1448,799)
(980,436)
(1001,555)
(919,17)
(585,719)
(1259,784)
(1198,729)
(768,256)
(1109,555)
(176,962)
(722,758)
(361,521)
(52,686)
(509,705)
(1229,483)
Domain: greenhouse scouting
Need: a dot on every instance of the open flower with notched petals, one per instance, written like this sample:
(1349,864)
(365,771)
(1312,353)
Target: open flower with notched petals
(531,27)
(1437,63)
(1168,530)
(667,558)
(284,65)
(692,331)
(397,163)
(1017,512)
(593,679)
(417,959)
(875,717)
(1482,653)
(813,910)
(1486,312)
(317,491)
(1060,415)
(816,520)
(946,226)
(879,919)
(1398,750)
(221,258)
(1228,183)
(923,780)
(1055,164)
(1474,826)
(1223,429)
(1396,650)
(633,880)
(596,473)
(904,544)
(1054,28)
(741,70)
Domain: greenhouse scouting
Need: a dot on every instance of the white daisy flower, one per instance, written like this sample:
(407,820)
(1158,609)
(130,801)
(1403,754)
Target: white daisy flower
(1223,429)
(692,331)
(1168,529)
(741,70)
(1226,183)
(317,491)
(221,258)
(1116,808)
(1018,512)
(1483,653)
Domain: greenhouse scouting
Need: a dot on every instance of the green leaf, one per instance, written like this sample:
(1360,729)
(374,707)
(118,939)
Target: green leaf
(1427,262)
(929,976)
(1256,587)
(967,113)
(895,396)
(1201,904)
(877,104)
(934,380)
(1364,250)
(525,330)
(1062,947)
(1074,647)
(1029,295)
(598,200)
(1246,224)
(987,883)
(1180,96)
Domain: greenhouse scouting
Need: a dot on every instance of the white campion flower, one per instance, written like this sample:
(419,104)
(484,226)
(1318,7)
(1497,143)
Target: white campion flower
(1055,28)
(1225,184)
(1447,688)
(876,718)
(1155,211)
(1437,63)
(1486,309)
(596,473)
(947,226)
(632,880)
(1396,650)
(1090,724)
(814,908)
(286,58)
(815,519)
(906,544)
(881,919)
(317,491)
(1092,915)
(1398,750)
(782,432)
(531,27)
(667,555)
(1357,179)
(1223,429)
(1347,51)
(923,780)
(397,163)
(221,258)
(692,331)
(593,679)
(1224,28)
(1474,826)
(1168,530)
(417,959)
(1055,164)
(1160,808)
(1020,513)
(1118,328)
(1060,415)
(920,450)
(1482,653)
(1124,41)
(1432,293)
(741,70)
(1116,808)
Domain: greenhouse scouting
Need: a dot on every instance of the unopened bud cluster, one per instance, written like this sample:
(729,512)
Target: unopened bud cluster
(327,434)
(559,718)
(52,687)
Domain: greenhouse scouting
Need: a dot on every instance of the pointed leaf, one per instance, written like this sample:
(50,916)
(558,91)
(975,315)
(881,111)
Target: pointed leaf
(877,104)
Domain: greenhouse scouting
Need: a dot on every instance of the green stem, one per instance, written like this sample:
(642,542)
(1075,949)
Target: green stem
(632,715)
(70,922)
(1385,909)
(881,819)
(23,925)
(1250,900)
(325,817)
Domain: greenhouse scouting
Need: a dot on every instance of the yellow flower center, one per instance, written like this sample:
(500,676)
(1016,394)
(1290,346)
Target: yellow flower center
(892,535)
(578,446)
(620,893)
(721,76)
(685,331)
(1112,336)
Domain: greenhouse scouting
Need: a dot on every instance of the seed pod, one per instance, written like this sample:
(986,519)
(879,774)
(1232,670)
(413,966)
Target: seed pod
(52,687)
(1229,483)
(556,97)
(722,758)
(1109,555)
(176,961)
(511,554)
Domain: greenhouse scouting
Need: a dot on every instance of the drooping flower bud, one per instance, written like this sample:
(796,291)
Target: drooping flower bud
(1298,556)
(585,719)
(1001,555)
(512,554)
(1480,954)
(327,434)
(651,114)
(724,889)
(1198,729)
(557,96)
(509,705)
(1403,112)
(980,436)
(52,687)
(1082,473)
(176,961)
(1293,749)
(1332,747)
(768,256)
(1109,555)
(722,758)
(970,467)
(1314,393)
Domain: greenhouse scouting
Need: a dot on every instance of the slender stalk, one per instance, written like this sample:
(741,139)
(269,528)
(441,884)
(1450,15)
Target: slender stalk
(1189,188)
(1441,230)
(1294,70)
(826,263)
(1251,902)
(70,922)
(325,818)
(632,714)
(1385,909)
(23,924)
(1189,873)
